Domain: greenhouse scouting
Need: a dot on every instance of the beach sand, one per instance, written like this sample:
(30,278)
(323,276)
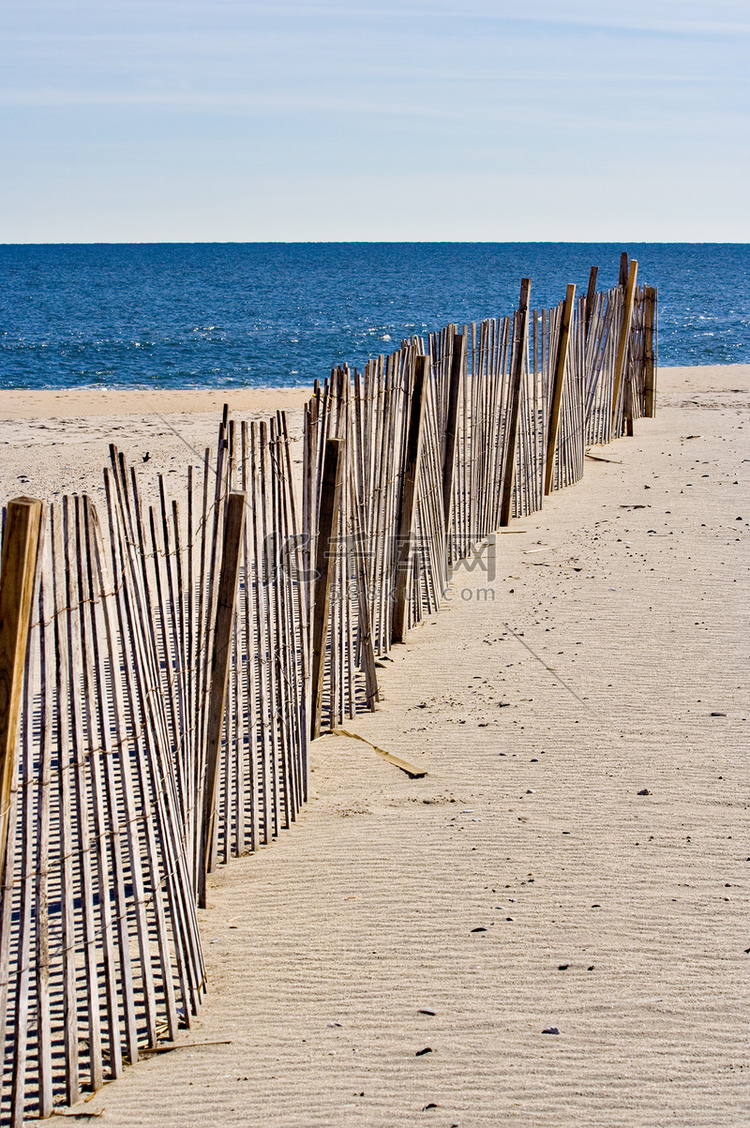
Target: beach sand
(55,442)
(585,736)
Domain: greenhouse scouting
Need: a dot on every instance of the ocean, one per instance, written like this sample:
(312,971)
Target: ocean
(193,315)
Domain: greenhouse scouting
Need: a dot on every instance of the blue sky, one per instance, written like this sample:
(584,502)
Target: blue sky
(190,120)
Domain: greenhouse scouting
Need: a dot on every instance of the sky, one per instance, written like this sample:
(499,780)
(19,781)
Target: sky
(488,120)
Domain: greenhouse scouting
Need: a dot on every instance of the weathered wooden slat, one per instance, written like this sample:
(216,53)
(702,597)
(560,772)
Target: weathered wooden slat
(266,562)
(99,714)
(42,836)
(121,753)
(300,612)
(29,863)
(67,888)
(81,803)
(101,824)
(261,647)
(249,704)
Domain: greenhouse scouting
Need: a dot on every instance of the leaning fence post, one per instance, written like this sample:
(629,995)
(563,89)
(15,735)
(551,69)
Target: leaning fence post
(514,404)
(325,563)
(559,378)
(409,497)
(591,296)
(458,362)
(19,552)
(219,673)
(649,358)
(624,340)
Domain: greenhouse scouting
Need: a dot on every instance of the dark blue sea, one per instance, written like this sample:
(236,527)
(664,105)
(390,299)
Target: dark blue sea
(269,314)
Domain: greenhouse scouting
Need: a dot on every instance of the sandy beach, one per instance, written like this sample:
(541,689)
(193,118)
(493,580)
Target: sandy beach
(53,442)
(551,927)
(56,441)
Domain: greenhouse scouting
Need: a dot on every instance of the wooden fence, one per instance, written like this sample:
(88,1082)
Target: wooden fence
(445,441)
(162,728)
(164,664)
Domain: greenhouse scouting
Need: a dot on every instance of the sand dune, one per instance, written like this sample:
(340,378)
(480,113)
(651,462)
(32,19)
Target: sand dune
(584,723)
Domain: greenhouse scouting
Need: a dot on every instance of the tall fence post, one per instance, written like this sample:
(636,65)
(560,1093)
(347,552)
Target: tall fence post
(559,384)
(19,552)
(325,563)
(409,497)
(514,403)
(624,339)
(649,358)
(591,296)
(219,673)
(627,410)
(458,363)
